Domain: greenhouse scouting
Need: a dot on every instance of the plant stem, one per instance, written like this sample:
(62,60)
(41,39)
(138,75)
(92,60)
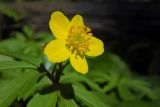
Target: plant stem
(58,74)
(42,69)
(53,71)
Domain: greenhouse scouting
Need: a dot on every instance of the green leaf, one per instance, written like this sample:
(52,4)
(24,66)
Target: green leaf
(21,56)
(142,87)
(87,97)
(99,77)
(28,31)
(124,90)
(75,77)
(29,87)
(9,12)
(8,74)
(13,44)
(44,82)
(5,58)
(109,99)
(107,63)
(15,64)
(135,103)
(107,68)
(19,36)
(47,100)
(43,37)
(10,91)
(113,78)
(62,102)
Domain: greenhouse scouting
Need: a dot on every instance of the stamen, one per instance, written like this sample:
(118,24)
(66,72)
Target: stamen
(78,40)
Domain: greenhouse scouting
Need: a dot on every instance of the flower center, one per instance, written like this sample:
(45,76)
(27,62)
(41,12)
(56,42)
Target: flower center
(78,40)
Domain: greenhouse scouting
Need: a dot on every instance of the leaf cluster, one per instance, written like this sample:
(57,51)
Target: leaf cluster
(109,83)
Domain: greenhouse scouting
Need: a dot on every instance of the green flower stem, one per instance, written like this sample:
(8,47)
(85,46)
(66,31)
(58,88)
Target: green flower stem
(56,72)
(53,71)
(59,72)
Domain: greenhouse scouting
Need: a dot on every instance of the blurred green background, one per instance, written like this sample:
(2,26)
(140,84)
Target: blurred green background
(126,75)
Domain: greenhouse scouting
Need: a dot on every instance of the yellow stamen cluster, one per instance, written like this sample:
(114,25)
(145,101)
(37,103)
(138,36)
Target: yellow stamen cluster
(78,40)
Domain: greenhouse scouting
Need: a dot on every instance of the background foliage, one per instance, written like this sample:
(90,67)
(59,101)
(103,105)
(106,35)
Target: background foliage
(109,83)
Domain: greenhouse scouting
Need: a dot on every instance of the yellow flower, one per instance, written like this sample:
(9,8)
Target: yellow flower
(73,40)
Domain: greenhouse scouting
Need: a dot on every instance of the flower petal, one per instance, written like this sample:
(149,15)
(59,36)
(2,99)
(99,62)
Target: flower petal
(79,64)
(59,25)
(77,20)
(96,47)
(56,51)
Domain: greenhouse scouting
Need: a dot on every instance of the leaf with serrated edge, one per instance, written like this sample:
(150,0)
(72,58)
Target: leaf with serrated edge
(10,91)
(62,102)
(15,64)
(87,97)
(27,58)
(47,100)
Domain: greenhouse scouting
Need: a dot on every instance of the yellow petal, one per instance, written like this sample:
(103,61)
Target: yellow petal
(77,20)
(56,51)
(96,47)
(79,64)
(59,25)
